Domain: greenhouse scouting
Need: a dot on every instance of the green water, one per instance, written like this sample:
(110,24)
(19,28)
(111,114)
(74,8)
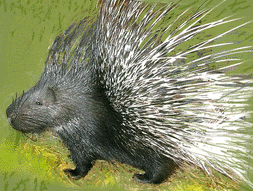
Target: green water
(27,29)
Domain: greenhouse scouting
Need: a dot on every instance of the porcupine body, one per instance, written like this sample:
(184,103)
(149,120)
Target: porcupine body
(113,91)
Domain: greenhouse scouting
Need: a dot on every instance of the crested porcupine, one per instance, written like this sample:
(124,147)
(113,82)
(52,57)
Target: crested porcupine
(114,90)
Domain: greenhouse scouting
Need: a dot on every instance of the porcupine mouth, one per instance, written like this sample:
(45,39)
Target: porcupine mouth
(27,132)
(12,123)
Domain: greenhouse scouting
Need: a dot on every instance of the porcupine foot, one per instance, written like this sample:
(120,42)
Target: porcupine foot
(141,178)
(154,176)
(156,173)
(79,172)
(74,173)
(146,178)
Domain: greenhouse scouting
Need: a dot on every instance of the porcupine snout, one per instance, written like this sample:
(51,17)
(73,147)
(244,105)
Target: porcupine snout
(11,118)
(11,115)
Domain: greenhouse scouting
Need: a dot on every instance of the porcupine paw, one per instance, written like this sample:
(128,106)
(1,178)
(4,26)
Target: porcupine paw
(73,174)
(142,178)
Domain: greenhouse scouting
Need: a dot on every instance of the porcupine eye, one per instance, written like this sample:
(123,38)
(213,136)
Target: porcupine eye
(38,103)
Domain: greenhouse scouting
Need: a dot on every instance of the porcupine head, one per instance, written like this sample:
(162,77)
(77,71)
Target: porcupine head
(96,105)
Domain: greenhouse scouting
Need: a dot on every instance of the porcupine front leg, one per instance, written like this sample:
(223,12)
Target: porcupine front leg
(82,159)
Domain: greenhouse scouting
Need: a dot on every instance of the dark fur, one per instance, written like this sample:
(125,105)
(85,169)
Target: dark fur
(87,124)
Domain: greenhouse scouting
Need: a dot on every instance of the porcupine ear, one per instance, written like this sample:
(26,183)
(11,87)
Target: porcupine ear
(51,94)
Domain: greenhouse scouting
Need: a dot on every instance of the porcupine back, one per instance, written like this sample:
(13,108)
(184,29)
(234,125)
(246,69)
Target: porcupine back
(174,103)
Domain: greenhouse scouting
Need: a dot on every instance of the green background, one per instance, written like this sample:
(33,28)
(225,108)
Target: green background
(27,29)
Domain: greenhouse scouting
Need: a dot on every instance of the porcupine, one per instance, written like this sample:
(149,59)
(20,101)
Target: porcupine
(113,91)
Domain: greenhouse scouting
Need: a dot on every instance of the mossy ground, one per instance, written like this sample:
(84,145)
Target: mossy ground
(39,166)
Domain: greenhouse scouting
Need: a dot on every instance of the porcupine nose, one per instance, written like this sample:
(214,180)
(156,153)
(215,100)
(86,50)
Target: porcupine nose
(11,116)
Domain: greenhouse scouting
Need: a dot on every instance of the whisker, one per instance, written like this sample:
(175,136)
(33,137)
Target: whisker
(29,137)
